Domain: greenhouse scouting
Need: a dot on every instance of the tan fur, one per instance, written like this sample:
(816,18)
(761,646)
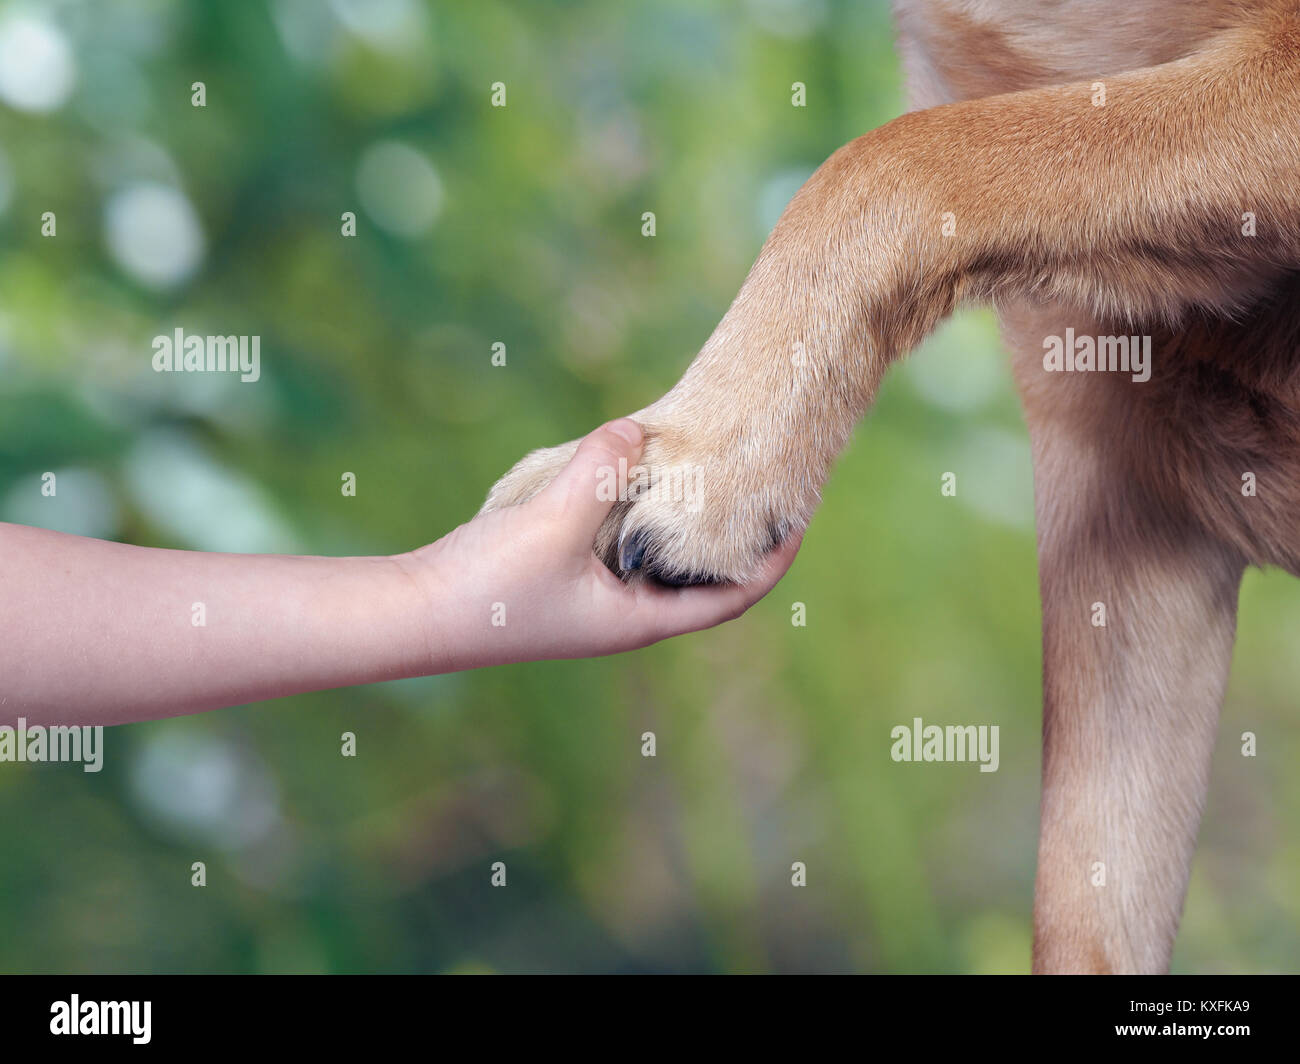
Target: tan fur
(1123,218)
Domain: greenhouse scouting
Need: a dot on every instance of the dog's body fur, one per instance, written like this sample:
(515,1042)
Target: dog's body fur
(1098,159)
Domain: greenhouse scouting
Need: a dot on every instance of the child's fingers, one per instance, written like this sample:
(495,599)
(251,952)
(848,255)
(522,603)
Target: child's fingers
(587,488)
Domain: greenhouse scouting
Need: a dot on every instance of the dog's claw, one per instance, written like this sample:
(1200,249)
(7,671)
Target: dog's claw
(631,551)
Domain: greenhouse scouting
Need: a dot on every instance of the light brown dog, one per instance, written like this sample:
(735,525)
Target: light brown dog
(1120,168)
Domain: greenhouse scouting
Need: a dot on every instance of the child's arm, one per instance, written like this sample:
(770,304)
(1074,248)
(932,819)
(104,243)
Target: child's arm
(93,632)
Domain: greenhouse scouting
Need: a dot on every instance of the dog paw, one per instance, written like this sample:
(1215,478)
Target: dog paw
(702,505)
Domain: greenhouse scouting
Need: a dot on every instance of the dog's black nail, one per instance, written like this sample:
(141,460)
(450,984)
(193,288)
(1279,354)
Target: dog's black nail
(631,552)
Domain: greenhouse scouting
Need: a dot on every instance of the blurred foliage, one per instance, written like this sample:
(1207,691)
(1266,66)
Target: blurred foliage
(773,740)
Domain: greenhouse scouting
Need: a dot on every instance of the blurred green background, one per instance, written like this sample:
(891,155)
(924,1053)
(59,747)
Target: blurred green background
(522,225)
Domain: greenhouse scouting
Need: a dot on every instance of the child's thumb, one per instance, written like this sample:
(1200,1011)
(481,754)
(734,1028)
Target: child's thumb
(597,475)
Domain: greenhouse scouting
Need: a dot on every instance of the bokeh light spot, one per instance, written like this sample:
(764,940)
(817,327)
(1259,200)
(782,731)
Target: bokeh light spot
(399,188)
(37,68)
(153,233)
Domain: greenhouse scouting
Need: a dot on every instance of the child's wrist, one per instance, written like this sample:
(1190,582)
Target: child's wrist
(427,593)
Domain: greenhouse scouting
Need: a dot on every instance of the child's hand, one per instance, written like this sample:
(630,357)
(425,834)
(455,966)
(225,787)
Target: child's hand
(101,633)
(523,584)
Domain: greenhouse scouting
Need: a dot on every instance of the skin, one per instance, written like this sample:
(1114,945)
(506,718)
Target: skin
(101,633)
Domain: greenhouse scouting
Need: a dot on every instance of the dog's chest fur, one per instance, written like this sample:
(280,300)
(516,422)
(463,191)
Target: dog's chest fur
(1221,412)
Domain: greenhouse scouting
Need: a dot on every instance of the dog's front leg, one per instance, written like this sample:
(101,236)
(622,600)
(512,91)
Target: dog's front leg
(1127,198)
